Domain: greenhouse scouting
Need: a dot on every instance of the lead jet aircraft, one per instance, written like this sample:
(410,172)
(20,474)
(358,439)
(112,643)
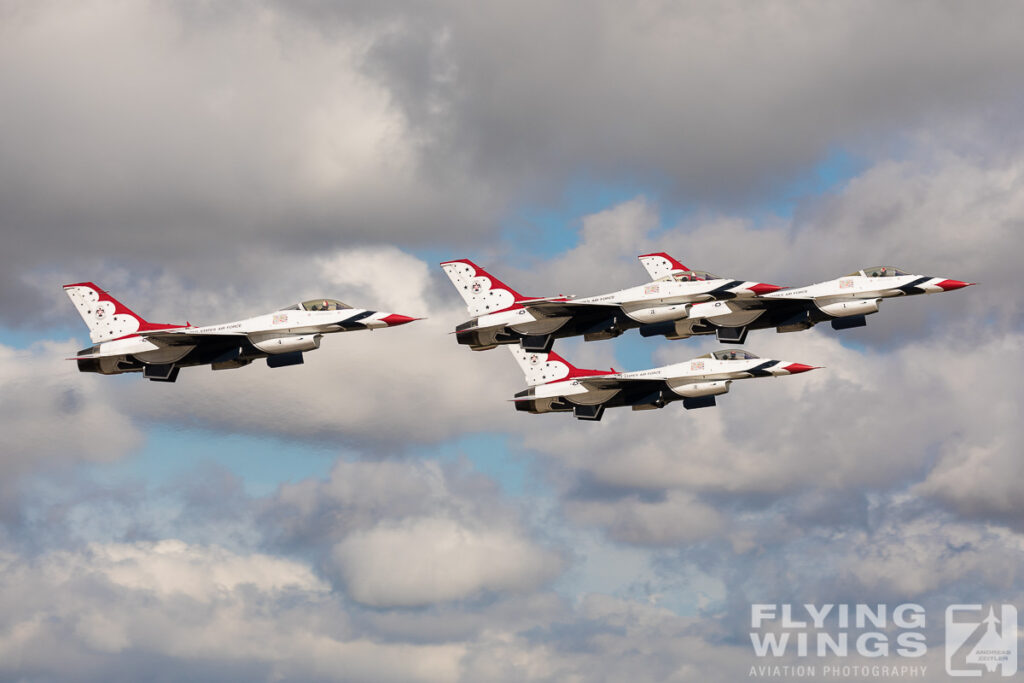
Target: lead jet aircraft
(556,385)
(125,342)
(504,316)
(844,301)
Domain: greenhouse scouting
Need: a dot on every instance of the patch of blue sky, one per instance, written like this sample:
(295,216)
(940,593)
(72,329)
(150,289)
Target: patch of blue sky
(548,230)
(545,231)
(490,454)
(23,338)
(635,573)
(829,175)
(261,462)
(634,352)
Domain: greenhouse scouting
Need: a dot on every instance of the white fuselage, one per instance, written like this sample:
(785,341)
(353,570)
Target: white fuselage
(860,287)
(256,329)
(677,376)
(653,302)
(842,297)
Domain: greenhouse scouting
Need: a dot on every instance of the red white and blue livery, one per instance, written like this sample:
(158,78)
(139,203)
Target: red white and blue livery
(126,342)
(557,386)
(501,315)
(844,302)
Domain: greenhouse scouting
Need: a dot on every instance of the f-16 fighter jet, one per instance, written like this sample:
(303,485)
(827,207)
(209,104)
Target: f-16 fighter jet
(504,316)
(557,386)
(125,342)
(843,301)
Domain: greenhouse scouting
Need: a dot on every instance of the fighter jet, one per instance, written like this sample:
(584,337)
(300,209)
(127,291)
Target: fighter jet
(125,342)
(844,301)
(556,386)
(504,316)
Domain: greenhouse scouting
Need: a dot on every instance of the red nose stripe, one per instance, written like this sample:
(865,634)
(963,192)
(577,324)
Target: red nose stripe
(396,319)
(953,284)
(797,368)
(763,288)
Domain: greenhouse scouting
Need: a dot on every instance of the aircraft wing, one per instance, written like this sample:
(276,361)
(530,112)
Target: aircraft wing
(556,308)
(168,338)
(620,382)
(86,356)
(767,302)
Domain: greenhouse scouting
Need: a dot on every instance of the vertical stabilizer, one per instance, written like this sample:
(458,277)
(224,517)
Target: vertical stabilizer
(482,292)
(542,368)
(106,317)
(660,264)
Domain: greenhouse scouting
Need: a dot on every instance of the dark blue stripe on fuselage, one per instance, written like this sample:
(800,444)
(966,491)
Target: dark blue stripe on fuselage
(723,293)
(912,287)
(762,369)
(353,323)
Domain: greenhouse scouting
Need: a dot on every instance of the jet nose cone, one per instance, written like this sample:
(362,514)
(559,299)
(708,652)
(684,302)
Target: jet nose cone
(797,368)
(395,319)
(763,288)
(948,285)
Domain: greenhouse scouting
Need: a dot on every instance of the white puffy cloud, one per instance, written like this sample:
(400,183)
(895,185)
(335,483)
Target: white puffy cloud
(404,534)
(85,615)
(431,560)
(173,567)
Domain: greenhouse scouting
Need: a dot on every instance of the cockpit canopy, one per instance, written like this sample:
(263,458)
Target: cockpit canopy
(879,271)
(730,354)
(318,305)
(693,276)
(324,305)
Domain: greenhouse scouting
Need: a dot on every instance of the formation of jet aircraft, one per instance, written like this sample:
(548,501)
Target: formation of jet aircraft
(677,303)
(504,316)
(125,342)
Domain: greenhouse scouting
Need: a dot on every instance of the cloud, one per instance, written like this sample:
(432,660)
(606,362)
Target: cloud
(261,131)
(88,614)
(677,518)
(682,96)
(435,559)
(402,534)
(295,128)
(293,151)
(393,385)
(49,416)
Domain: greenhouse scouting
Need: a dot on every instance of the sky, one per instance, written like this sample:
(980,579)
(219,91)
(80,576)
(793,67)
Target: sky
(382,512)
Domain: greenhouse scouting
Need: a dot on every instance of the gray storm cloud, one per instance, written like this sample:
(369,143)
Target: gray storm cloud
(180,134)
